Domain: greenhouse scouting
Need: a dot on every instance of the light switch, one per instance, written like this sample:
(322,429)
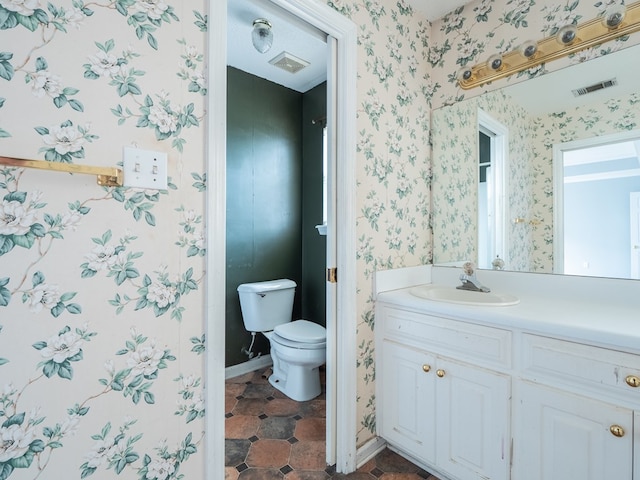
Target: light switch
(144,168)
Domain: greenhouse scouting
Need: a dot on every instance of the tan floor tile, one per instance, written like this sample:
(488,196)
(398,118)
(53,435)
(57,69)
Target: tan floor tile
(307,475)
(241,426)
(282,407)
(400,476)
(247,377)
(367,467)
(269,453)
(311,429)
(235,389)
(230,402)
(308,456)
(230,473)
(249,406)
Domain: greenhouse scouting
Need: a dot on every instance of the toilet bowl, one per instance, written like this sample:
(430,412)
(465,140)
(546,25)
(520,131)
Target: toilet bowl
(298,348)
(297,353)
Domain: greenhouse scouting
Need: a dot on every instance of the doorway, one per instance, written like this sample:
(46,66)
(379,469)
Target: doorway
(493,150)
(341,349)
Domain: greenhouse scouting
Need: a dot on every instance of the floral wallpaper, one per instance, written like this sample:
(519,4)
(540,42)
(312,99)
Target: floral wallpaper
(101,288)
(101,304)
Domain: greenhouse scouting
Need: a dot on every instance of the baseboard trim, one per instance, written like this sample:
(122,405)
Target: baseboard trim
(246,367)
(369,450)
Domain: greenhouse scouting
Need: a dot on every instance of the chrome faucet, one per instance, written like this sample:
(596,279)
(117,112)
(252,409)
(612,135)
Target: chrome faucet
(469,280)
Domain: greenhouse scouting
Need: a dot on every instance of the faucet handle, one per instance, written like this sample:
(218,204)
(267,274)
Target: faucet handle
(468,268)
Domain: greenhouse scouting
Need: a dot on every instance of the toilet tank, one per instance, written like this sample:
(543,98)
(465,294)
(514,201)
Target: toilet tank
(266,305)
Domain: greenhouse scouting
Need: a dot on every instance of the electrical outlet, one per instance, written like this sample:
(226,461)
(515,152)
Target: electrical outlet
(144,168)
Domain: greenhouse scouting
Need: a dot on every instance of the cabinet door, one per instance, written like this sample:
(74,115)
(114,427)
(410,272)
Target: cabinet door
(561,435)
(408,400)
(473,421)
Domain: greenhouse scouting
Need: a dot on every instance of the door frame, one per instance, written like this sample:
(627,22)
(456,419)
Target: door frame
(499,134)
(341,351)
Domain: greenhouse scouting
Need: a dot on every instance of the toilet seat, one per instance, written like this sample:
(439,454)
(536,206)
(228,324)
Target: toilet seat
(301,334)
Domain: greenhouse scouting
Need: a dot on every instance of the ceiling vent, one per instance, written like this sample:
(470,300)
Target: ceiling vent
(595,87)
(288,62)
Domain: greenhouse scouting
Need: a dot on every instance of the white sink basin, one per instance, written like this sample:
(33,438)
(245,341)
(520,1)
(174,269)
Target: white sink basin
(441,293)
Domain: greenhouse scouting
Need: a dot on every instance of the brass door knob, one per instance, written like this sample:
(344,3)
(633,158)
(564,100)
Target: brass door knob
(616,430)
(426,368)
(440,373)
(632,381)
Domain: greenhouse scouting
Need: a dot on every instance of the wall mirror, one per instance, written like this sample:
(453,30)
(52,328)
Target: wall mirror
(579,115)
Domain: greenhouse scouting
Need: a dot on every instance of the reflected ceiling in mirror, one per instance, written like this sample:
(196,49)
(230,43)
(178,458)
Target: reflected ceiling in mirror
(540,113)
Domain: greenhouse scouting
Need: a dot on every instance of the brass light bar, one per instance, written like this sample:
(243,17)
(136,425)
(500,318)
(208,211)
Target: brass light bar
(107,176)
(589,34)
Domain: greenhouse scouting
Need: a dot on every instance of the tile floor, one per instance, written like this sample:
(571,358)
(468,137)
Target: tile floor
(269,436)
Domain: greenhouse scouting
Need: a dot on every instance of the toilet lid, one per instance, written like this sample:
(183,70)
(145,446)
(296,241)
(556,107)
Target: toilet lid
(302,331)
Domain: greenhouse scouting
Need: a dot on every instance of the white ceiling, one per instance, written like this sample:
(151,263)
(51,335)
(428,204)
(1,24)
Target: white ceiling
(289,35)
(295,37)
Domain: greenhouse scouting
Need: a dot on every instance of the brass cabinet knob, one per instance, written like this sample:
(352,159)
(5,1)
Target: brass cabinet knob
(426,368)
(633,381)
(617,430)
(440,373)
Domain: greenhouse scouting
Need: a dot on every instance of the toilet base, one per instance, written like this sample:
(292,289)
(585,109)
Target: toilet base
(301,384)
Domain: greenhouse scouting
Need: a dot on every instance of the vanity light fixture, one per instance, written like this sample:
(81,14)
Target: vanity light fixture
(567,35)
(617,21)
(613,16)
(528,49)
(261,35)
(494,62)
(465,74)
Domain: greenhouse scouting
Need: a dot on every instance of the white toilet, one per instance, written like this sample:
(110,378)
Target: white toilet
(298,348)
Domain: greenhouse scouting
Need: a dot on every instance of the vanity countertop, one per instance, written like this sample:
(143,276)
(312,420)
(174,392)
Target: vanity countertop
(582,318)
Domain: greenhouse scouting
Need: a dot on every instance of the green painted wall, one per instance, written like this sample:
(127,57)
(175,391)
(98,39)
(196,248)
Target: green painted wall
(264,196)
(314,246)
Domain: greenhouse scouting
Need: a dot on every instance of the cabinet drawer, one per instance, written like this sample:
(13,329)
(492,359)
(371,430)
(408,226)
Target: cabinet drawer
(441,335)
(581,365)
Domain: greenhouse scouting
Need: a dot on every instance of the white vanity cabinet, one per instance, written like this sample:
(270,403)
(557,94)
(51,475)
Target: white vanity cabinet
(438,399)
(471,399)
(559,435)
(574,411)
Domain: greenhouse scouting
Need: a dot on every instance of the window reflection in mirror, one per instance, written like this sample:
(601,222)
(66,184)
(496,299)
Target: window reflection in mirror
(598,219)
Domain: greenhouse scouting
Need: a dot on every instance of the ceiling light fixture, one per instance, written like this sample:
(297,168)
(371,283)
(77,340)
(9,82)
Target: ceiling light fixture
(262,36)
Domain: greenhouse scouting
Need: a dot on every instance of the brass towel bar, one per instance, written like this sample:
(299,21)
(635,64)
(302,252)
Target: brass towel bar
(107,176)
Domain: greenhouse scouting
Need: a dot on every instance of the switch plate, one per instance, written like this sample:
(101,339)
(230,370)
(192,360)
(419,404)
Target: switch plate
(144,168)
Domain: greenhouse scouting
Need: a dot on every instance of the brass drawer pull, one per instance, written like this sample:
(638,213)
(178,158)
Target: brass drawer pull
(426,368)
(617,430)
(633,381)
(440,373)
